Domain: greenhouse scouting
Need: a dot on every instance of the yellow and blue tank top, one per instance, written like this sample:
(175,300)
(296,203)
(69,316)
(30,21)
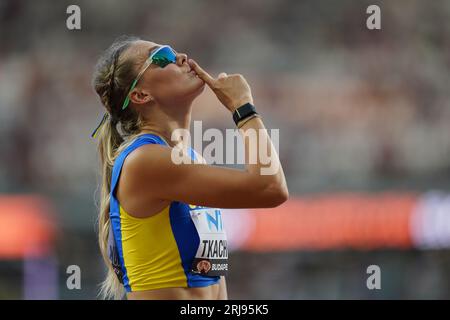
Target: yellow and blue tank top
(181,246)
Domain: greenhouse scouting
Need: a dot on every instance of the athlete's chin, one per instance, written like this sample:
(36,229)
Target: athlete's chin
(194,91)
(199,86)
(202,86)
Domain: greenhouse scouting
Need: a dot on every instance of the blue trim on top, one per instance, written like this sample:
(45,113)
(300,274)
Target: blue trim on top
(192,153)
(117,227)
(114,213)
(183,229)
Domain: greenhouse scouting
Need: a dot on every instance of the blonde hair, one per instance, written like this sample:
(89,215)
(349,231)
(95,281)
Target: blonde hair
(112,79)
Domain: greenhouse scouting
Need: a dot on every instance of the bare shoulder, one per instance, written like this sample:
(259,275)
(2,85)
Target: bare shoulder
(157,161)
(147,156)
(141,175)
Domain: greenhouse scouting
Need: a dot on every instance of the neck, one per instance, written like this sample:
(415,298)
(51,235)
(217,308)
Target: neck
(163,120)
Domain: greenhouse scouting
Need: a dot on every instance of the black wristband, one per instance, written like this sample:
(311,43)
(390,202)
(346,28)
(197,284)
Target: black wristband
(243,112)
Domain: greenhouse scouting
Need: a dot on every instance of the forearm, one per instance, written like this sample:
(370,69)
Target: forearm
(261,157)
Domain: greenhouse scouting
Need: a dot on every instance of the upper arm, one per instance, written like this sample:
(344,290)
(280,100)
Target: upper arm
(154,173)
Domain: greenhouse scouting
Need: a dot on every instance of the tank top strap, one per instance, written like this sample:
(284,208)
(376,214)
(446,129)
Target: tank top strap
(144,139)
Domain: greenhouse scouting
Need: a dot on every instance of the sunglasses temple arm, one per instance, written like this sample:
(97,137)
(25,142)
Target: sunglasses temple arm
(127,99)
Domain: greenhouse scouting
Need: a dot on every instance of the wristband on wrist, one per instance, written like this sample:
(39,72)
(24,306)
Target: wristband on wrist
(244,121)
(243,112)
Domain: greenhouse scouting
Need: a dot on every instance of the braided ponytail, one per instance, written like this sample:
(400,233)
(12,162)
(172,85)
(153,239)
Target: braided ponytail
(111,81)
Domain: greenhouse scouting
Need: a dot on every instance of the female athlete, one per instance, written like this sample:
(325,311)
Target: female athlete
(160,229)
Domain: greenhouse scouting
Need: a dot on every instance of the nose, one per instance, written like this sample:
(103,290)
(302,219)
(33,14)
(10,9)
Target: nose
(181,59)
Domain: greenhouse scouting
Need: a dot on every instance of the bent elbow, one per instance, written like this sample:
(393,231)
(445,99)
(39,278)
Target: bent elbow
(276,196)
(280,197)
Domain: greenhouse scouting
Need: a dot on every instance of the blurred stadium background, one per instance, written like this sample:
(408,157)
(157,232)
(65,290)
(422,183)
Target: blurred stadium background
(364,139)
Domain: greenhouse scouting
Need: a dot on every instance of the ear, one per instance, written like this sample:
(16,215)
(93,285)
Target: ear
(140,96)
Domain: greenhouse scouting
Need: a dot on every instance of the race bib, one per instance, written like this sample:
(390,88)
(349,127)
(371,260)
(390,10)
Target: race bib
(113,255)
(211,258)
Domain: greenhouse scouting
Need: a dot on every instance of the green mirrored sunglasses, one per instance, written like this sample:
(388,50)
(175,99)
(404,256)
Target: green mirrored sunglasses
(163,56)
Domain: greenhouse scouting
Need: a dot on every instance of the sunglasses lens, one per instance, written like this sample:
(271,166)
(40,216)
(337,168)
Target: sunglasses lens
(164,56)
